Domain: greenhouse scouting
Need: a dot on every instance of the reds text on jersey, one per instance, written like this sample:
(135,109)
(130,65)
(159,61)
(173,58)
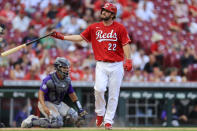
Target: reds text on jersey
(107,41)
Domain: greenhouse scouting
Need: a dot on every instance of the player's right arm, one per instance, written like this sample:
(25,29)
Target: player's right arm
(43,89)
(73,38)
(85,35)
(42,102)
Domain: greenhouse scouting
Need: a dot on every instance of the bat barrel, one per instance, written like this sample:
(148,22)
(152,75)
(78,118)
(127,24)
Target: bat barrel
(13,50)
(10,51)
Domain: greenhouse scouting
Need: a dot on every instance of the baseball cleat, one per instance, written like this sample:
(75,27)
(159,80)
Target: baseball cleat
(108,126)
(27,123)
(99,121)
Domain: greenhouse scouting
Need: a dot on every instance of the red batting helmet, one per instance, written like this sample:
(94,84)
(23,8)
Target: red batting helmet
(110,7)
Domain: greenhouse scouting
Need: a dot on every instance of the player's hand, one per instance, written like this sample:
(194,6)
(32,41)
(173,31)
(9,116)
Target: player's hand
(46,110)
(57,35)
(82,113)
(128,65)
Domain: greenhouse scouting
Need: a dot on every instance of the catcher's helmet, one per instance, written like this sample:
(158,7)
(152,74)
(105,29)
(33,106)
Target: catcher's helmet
(110,7)
(62,66)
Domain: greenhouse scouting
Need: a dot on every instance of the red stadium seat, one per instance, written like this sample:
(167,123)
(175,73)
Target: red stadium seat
(192,72)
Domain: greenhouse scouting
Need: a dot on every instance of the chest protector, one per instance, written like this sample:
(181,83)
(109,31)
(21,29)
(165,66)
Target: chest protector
(57,88)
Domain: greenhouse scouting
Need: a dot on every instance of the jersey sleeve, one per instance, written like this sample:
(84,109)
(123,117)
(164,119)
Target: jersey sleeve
(43,86)
(86,34)
(70,89)
(124,36)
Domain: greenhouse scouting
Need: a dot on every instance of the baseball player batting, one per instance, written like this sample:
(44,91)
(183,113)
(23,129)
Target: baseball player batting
(110,43)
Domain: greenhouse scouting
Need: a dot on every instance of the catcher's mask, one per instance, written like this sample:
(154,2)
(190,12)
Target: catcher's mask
(62,66)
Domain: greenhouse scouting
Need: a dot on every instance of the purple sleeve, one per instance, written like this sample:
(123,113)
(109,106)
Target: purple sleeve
(43,86)
(70,89)
(163,115)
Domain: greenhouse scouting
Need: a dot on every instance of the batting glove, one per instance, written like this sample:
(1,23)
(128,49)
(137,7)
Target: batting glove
(57,35)
(128,65)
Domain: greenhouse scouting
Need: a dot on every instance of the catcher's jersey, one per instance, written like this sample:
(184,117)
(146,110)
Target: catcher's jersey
(107,41)
(55,89)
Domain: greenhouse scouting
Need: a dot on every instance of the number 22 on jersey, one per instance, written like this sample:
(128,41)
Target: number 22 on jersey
(112,47)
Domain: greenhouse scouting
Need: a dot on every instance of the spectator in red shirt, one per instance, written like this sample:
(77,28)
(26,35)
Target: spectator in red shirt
(7,15)
(158,47)
(32,74)
(193,8)
(37,21)
(76,73)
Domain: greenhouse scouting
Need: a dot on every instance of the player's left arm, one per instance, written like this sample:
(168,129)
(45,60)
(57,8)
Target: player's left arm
(125,41)
(128,62)
(77,103)
(127,51)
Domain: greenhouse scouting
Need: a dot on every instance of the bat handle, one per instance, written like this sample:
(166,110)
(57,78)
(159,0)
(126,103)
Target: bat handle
(29,43)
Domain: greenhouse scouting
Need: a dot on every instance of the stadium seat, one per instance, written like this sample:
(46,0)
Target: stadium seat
(192,72)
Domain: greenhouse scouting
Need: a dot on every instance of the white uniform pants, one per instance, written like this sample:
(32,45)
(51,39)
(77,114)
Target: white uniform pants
(111,75)
(55,110)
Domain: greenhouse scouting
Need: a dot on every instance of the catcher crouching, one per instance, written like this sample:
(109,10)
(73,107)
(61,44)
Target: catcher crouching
(52,98)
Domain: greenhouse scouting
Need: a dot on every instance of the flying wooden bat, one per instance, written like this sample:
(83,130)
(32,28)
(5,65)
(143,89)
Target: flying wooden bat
(10,51)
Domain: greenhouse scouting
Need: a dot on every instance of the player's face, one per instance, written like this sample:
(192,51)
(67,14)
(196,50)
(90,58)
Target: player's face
(65,69)
(105,15)
(63,72)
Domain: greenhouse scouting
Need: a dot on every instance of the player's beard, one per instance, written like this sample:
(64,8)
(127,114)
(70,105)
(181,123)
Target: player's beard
(105,18)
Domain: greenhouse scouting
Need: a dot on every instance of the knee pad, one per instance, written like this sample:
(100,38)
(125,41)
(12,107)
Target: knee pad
(42,122)
(68,119)
(71,112)
(57,122)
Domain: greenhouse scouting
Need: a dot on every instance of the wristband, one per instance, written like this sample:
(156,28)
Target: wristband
(78,105)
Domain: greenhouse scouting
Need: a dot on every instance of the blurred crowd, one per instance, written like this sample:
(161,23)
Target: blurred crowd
(163,33)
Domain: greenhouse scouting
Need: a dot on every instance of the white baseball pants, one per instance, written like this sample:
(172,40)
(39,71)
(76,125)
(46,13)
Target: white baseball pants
(111,75)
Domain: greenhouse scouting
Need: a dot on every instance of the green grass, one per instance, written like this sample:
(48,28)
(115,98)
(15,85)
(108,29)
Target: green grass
(102,129)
